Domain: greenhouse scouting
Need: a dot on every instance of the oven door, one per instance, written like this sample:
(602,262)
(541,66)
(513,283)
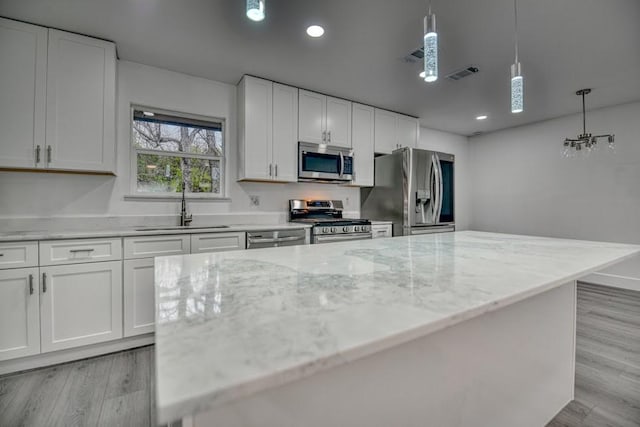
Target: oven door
(331,238)
(320,162)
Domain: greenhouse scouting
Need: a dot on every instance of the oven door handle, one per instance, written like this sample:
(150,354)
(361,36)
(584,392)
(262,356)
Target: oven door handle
(341,164)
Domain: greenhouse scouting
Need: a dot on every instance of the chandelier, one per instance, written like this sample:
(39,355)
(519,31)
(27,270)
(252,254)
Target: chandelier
(585,142)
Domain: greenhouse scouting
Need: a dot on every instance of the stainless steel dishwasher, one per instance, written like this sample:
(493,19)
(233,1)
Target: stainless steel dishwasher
(276,238)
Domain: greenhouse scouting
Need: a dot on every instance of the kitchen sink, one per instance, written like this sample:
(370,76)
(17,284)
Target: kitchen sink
(179,227)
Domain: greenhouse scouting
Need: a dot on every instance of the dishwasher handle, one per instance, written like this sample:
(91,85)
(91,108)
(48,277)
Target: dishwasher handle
(276,239)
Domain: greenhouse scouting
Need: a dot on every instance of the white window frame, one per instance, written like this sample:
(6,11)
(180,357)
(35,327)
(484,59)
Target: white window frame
(134,193)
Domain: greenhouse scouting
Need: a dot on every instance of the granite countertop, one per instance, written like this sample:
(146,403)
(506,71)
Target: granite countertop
(232,324)
(12,236)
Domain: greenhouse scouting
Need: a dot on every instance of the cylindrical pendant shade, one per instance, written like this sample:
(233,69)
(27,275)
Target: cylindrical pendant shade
(517,88)
(255,10)
(430,49)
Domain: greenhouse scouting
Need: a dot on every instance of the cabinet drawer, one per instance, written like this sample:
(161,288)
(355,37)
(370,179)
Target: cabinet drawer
(55,252)
(217,242)
(381,231)
(18,254)
(152,246)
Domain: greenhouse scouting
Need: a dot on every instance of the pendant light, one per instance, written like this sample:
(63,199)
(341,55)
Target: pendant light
(255,10)
(585,142)
(430,47)
(517,81)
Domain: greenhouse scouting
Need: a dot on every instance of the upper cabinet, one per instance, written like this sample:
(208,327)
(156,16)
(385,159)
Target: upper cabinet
(393,131)
(81,88)
(23,77)
(267,130)
(324,119)
(362,140)
(57,108)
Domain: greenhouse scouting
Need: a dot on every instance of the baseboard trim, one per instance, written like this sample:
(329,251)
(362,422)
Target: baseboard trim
(62,356)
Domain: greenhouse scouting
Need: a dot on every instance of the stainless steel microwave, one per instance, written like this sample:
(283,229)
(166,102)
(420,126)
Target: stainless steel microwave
(324,163)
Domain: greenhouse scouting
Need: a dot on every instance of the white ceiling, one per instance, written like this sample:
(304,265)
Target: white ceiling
(565,45)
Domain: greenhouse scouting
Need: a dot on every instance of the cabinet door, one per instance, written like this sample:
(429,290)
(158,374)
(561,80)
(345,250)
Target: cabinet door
(386,128)
(218,242)
(23,73)
(338,122)
(139,297)
(19,313)
(362,140)
(408,131)
(81,304)
(285,133)
(255,123)
(381,230)
(80,103)
(312,117)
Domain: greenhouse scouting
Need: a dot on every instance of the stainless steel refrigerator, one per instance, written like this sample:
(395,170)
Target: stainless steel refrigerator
(414,189)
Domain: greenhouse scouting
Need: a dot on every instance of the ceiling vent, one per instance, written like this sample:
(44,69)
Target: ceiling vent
(415,56)
(461,74)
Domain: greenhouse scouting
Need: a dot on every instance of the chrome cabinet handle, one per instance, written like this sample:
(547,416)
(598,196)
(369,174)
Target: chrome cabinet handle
(31,284)
(276,169)
(329,135)
(81,250)
(44,282)
(37,154)
(270,174)
(48,154)
(1,254)
(324,136)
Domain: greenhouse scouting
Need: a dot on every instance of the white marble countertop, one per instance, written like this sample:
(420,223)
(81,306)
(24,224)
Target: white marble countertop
(232,324)
(12,236)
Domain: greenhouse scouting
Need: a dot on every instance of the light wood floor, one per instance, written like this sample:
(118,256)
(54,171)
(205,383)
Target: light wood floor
(118,389)
(607,360)
(112,390)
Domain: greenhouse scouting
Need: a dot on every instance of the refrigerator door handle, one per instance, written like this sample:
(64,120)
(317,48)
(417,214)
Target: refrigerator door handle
(433,186)
(440,189)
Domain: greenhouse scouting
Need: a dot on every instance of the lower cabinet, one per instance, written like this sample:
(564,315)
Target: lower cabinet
(381,230)
(139,298)
(81,304)
(19,313)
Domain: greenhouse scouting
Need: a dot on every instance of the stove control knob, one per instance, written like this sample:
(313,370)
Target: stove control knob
(365,228)
(345,229)
(356,228)
(333,229)
(325,230)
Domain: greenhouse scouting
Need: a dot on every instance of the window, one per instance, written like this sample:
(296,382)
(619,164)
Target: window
(170,149)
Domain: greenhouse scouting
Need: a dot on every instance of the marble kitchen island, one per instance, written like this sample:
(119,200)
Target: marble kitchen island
(457,329)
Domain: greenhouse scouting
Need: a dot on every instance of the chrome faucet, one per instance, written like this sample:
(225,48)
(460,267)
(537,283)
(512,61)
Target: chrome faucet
(185,218)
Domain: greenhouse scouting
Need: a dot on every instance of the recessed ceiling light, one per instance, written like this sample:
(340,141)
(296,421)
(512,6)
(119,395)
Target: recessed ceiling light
(481,118)
(315,31)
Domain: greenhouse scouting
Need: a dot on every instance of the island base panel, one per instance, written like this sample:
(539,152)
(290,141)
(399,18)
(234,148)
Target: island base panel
(510,367)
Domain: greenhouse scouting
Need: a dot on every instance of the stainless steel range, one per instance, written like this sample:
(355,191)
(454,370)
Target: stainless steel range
(328,223)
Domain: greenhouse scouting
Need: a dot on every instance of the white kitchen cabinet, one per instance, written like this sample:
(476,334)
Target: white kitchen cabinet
(81,304)
(55,252)
(362,138)
(284,154)
(323,119)
(255,128)
(217,242)
(268,131)
(393,131)
(139,296)
(23,76)
(152,246)
(381,230)
(18,254)
(80,106)
(408,131)
(19,313)
(386,129)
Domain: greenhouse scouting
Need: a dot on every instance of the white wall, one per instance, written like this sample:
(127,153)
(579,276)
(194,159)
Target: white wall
(41,195)
(522,184)
(458,146)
